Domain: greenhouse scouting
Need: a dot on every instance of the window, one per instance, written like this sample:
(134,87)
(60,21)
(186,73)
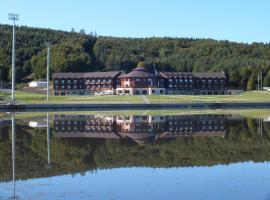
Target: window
(75,81)
(69,81)
(63,81)
(153,91)
(138,79)
(161,91)
(56,81)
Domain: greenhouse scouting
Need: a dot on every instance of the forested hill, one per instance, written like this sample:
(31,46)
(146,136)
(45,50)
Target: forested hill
(76,52)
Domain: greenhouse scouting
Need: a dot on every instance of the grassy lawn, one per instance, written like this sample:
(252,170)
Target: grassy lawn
(252,96)
(32,98)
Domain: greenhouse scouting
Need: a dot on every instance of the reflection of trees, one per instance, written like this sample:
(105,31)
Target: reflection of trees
(241,143)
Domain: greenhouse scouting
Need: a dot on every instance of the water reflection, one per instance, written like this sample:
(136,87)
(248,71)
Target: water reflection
(139,128)
(47,145)
(13,132)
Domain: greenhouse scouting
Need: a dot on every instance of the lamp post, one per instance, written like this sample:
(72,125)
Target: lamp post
(13,17)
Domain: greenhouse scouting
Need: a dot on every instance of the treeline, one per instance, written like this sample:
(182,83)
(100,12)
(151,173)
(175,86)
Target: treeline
(78,52)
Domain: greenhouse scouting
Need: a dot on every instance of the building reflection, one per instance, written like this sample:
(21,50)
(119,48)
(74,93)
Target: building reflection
(139,128)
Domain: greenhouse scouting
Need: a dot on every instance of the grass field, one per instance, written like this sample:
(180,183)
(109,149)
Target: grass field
(32,98)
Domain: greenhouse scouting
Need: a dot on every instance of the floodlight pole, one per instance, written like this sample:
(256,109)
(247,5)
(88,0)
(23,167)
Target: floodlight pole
(48,70)
(13,17)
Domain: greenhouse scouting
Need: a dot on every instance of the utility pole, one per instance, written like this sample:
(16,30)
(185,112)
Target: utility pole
(13,17)
(48,69)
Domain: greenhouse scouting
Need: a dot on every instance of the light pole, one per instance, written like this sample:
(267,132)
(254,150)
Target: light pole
(13,17)
(48,69)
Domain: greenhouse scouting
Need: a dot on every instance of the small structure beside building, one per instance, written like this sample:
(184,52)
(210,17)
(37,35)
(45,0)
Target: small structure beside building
(37,84)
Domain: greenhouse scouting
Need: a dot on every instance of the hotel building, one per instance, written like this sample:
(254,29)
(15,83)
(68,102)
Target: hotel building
(140,81)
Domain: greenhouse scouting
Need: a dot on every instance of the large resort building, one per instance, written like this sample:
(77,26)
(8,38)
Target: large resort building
(140,81)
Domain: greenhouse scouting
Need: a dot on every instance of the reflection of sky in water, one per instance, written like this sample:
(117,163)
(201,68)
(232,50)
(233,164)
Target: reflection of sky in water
(235,181)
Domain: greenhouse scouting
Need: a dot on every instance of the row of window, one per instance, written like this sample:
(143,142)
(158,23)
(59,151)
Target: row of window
(81,87)
(140,79)
(210,81)
(76,81)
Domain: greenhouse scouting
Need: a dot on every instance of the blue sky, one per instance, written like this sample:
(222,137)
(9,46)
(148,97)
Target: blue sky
(235,20)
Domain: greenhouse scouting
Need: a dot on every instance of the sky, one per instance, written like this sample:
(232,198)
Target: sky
(235,20)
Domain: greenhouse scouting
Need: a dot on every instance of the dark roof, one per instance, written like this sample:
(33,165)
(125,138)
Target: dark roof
(141,72)
(209,74)
(122,75)
(110,74)
(176,74)
(193,74)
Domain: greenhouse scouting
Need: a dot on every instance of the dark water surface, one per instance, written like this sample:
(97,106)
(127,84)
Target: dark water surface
(79,155)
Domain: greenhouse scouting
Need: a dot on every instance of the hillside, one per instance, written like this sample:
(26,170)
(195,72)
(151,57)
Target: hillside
(77,52)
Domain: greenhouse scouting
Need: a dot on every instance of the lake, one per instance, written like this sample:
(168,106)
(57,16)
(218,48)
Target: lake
(188,154)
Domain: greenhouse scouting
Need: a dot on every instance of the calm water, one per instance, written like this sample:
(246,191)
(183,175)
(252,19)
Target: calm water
(78,155)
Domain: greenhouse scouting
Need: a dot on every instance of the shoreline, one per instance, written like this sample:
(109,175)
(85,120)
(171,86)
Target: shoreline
(158,106)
